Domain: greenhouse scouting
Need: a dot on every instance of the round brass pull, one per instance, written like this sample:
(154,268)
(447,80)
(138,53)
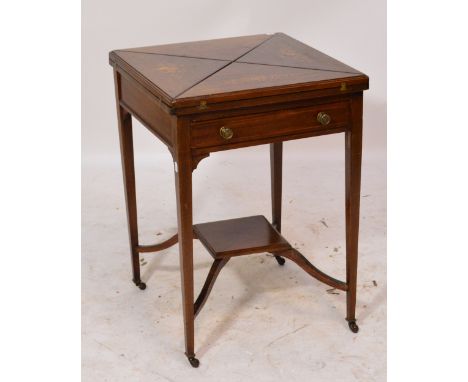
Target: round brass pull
(226,132)
(323,118)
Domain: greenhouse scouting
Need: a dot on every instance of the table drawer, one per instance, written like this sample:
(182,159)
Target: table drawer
(272,124)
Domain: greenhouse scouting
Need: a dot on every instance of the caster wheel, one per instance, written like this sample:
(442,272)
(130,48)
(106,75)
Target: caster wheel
(194,362)
(280,260)
(353,326)
(140,284)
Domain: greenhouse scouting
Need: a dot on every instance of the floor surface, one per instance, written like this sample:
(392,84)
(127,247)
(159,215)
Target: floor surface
(262,322)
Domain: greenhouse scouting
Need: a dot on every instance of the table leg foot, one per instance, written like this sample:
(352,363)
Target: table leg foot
(280,260)
(193,361)
(353,326)
(140,284)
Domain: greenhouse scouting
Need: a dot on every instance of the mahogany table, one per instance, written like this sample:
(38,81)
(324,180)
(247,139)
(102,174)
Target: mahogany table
(206,96)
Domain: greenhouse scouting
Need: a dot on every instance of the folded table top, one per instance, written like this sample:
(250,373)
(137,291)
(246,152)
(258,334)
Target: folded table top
(239,68)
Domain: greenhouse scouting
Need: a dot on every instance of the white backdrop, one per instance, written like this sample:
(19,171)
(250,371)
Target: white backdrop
(349,30)
(49,156)
(353,31)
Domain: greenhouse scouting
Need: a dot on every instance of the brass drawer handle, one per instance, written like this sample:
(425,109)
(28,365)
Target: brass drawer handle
(226,133)
(323,118)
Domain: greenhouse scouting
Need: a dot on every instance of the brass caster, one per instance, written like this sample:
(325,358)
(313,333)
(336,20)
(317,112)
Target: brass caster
(140,284)
(194,362)
(280,260)
(353,326)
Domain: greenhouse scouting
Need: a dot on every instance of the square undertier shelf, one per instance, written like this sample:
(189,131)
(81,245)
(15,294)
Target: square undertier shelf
(243,236)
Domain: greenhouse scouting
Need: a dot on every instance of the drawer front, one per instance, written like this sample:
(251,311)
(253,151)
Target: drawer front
(272,124)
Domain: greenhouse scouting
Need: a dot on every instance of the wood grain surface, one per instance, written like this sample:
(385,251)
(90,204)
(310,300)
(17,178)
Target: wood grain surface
(204,73)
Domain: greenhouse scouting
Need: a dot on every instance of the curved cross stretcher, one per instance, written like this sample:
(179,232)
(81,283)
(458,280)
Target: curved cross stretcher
(236,237)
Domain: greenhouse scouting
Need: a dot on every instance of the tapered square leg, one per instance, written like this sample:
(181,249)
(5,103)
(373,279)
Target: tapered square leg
(128,170)
(353,142)
(183,180)
(276,169)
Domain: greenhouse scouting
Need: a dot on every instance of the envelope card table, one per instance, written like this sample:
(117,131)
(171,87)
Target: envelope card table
(207,96)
